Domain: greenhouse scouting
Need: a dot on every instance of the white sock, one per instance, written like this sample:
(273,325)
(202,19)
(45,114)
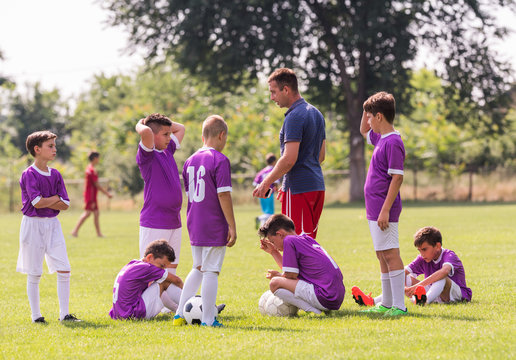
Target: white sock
(435,290)
(210,284)
(386,290)
(289,297)
(33,294)
(190,287)
(63,293)
(378,299)
(397,279)
(171,297)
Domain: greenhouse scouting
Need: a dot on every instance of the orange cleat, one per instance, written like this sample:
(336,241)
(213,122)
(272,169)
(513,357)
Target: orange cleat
(361,298)
(420,296)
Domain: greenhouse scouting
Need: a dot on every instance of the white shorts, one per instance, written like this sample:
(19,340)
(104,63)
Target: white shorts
(306,292)
(41,238)
(172,236)
(386,239)
(209,258)
(455,293)
(152,299)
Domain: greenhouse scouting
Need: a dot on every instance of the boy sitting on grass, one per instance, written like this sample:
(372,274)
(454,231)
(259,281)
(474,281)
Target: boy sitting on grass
(133,297)
(445,279)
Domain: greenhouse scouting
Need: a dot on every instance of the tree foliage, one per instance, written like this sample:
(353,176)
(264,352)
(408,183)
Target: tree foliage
(346,49)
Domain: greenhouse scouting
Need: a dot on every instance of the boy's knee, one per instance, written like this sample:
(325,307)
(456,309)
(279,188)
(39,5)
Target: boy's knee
(275,284)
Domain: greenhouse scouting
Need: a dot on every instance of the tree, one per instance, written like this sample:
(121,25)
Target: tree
(347,49)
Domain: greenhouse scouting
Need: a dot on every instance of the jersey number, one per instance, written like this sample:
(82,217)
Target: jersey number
(196,185)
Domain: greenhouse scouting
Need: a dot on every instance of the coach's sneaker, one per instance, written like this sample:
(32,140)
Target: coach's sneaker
(40,320)
(215,324)
(420,296)
(178,321)
(395,312)
(378,309)
(361,298)
(70,318)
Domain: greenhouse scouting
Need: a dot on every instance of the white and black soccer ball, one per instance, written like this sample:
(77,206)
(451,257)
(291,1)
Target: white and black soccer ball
(263,301)
(193,310)
(277,307)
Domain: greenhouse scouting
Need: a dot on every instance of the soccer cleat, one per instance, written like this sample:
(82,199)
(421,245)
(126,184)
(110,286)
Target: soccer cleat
(394,312)
(220,308)
(178,321)
(71,318)
(361,298)
(420,296)
(215,324)
(378,309)
(40,320)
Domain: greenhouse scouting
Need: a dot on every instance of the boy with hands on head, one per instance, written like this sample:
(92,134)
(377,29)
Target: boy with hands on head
(43,195)
(210,218)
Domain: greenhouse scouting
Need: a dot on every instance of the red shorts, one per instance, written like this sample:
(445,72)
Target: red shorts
(91,205)
(304,209)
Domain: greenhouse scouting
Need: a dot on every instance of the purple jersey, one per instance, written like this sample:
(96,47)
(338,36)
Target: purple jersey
(458,275)
(130,283)
(304,256)
(262,174)
(206,173)
(36,184)
(162,197)
(388,157)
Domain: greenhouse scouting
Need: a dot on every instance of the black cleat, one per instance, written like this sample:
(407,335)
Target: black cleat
(220,307)
(71,318)
(40,320)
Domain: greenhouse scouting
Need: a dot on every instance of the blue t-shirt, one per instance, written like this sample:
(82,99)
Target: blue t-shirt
(304,124)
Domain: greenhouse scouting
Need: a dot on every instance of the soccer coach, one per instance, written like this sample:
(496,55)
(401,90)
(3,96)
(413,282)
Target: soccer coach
(303,148)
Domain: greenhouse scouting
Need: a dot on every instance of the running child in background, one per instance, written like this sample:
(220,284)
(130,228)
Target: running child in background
(160,216)
(267,204)
(382,198)
(210,218)
(140,287)
(44,195)
(445,278)
(311,279)
(91,186)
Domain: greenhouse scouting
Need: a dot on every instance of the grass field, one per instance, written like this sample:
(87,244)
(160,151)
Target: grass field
(482,235)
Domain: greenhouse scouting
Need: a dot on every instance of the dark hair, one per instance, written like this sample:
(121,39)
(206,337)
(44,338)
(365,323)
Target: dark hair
(270,158)
(381,102)
(429,234)
(213,126)
(37,139)
(93,155)
(159,249)
(284,77)
(156,121)
(275,223)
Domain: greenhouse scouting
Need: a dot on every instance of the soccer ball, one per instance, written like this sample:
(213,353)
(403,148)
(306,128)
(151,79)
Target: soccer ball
(263,301)
(193,310)
(276,307)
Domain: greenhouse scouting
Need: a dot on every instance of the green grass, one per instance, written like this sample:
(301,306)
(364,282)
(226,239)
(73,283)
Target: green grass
(483,236)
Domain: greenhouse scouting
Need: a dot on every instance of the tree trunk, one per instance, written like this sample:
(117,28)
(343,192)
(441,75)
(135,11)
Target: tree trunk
(470,188)
(415,184)
(356,156)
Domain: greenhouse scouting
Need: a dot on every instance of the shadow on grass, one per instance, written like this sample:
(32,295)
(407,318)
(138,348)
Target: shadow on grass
(83,325)
(420,204)
(358,313)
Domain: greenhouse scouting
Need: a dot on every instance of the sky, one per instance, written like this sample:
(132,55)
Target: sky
(63,43)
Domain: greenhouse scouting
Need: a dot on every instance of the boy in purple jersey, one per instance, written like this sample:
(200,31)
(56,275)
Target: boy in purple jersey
(445,278)
(382,198)
(209,217)
(162,198)
(133,297)
(43,195)
(267,204)
(311,280)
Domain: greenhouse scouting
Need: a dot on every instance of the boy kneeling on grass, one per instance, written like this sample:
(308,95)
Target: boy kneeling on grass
(445,279)
(133,297)
(311,279)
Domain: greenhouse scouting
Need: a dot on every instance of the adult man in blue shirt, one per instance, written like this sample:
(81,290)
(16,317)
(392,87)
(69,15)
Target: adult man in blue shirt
(303,148)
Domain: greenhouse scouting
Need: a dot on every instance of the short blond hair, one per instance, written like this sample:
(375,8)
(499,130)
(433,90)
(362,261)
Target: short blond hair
(213,126)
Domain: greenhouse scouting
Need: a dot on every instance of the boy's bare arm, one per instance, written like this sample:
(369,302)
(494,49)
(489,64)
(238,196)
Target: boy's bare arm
(98,186)
(146,134)
(364,125)
(174,279)
(47,202)
(60,205)
(226,204)
(394,189)
(322,153)
(436,276)
(269,247)
(178,130)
